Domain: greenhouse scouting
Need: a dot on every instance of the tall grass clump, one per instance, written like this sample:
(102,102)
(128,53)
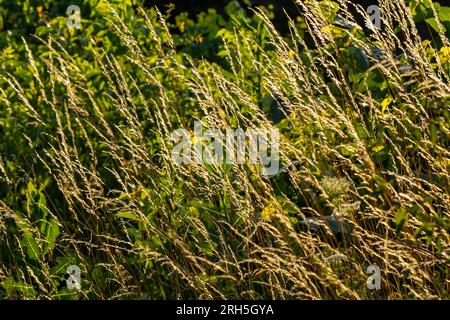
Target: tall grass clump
(88,179)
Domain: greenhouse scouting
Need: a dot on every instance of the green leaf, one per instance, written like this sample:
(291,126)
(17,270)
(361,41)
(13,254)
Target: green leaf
(444,13)
(128,215)
(51,234)
(329,9)
(11,287)
(386,102)
(432,23)
(401,216)
(21,222)
(347,150)
(377,148)
(31,245)
(400,219)
(359,56)
(31,189)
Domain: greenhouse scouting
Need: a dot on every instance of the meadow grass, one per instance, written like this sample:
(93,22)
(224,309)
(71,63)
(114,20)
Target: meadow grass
(364,143)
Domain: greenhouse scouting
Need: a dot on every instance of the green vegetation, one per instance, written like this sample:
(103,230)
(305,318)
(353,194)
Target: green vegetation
(87,179)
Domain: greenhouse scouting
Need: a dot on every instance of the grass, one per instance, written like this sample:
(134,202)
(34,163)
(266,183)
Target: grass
(86,163)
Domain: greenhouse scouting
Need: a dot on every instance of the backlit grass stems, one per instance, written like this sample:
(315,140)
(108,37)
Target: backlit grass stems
(140,226)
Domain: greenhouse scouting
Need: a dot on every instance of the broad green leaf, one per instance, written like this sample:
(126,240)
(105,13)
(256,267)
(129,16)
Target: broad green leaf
(432,23)
(347,150)
(377,148)
(51,234)
(31,245)
(128,215)
(444,13)
(31,189)
(386,102)
(401,218)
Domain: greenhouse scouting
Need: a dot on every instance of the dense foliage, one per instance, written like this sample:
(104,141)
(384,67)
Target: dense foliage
(87,179)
